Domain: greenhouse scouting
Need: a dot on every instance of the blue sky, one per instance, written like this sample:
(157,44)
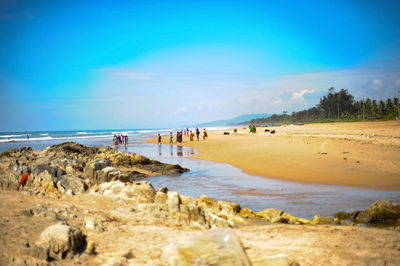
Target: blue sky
(136,64)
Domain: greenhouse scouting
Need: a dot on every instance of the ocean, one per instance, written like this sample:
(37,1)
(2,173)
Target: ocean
(42,139)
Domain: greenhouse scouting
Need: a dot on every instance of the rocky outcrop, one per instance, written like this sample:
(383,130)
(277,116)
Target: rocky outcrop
(381,212)
(171,208)
(71,168)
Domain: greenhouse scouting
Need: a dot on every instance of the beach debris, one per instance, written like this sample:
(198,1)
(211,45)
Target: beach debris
(226,133)
(267,130)
(358,161)
(23,180)
(323,153)
(272,131)
(216,247)
(346,151)
(344,158)
(349,167)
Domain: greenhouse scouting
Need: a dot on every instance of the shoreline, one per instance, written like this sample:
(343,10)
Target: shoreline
(357,154)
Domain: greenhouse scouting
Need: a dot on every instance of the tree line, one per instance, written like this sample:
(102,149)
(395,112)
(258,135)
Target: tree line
(338,106)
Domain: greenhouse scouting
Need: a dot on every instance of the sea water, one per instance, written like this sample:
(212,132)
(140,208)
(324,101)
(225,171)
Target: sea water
(217,180)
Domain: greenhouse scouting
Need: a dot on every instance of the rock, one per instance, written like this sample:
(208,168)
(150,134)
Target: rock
(279,216)
(173,201)
(93,167)
(382,212)
(220,206)
(216,247)
(139,159)
(71,182)
(59,242)
(94,224)
(317,219)
(140,191)
(342,216)
(160,197)
(275,260)
(71,148)
(43,183)
(164,189)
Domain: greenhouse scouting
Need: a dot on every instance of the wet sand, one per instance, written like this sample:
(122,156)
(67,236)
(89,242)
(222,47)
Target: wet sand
(361,154)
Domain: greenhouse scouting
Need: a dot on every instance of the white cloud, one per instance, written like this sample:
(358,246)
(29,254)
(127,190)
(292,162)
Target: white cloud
(299,95)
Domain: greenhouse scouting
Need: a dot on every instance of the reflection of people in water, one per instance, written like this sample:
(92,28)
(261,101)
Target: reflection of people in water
(171,150)
(191,151)
(179,151)
(159,150)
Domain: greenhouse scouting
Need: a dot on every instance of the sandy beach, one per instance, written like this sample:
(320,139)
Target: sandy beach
(361,154)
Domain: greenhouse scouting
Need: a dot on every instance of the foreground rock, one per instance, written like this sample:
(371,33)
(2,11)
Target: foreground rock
(217,247)
(57,242)
(71,168)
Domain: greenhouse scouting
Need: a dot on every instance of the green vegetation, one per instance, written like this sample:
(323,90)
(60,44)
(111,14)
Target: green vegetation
(338,106)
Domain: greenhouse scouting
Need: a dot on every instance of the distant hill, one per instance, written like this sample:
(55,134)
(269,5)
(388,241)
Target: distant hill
(234,121)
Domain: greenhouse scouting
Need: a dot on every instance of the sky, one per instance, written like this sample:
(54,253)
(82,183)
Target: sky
(70,65)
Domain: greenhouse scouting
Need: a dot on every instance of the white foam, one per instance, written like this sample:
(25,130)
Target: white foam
(23,140)
(82,133)
(13,136)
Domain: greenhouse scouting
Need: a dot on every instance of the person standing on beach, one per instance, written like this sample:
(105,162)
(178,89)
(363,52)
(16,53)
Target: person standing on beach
(159,139)
(205,135)
(170,137)
(126,139)
(191,135)
(197,133)
(27,137)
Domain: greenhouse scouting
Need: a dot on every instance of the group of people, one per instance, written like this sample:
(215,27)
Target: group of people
(252,128)
(120,139)
(185,132)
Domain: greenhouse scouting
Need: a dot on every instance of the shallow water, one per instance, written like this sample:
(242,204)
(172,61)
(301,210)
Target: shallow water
(225,182)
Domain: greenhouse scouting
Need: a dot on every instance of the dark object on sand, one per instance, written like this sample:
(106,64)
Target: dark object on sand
(226,133)
(272,131)
(267,130)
